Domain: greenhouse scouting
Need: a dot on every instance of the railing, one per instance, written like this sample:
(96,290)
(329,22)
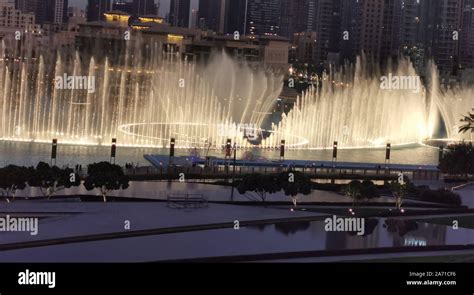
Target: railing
(313,172)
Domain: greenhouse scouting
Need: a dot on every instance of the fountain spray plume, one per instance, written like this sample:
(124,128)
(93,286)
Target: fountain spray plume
(142,93)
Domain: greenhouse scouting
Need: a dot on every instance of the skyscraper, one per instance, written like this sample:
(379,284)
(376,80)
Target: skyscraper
(350,29)
(97,8)
(293,17)
(179,13)
(236,13)
(440,31)
(467,36)
(194,19)
(211,15)
(50,11)
(410,24)
(144,7)
(380,28)
(411,34)
(263,17)
(124,6)
(327,25)
(60,11)
(26,6)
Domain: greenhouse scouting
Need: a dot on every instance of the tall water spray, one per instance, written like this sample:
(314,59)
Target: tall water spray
(451,104)
(357,112)
(147,96)
(143,100)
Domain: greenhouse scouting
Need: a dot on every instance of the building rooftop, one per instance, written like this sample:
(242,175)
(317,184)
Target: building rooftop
(117,12)
(153,27)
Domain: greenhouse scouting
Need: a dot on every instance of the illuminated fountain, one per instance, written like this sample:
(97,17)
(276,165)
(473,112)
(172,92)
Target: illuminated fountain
(141,101)
(146,99)
(451,106)
(357,112)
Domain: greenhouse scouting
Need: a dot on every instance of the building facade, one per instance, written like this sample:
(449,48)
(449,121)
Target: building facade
(179,13)
(263,17)
(97,8)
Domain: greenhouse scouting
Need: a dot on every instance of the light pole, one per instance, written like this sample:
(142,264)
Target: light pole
(113,150)
(233,172)
(54,150)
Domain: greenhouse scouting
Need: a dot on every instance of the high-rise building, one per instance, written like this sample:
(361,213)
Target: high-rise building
(194,19)
(350,29)
(440,31)
(97,8)
(13,18)
(411,37)
(60,11)
(145,7)
(123,5)
(208,14)
(410,24)
(236,14)
(467,36)
(211,15)
(327,25)
(305,43)
(26,6)
(263,17)
(179,13)
(50,11)
(293,19)
(380,29)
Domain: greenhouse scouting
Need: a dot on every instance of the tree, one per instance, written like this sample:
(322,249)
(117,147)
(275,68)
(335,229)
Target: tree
(50,180)
(369,190)
(399,190)
(441,196)
(353,190)
(106,177)
(12,179)
(294,183)
(469,123)
(458,160)
(260,184)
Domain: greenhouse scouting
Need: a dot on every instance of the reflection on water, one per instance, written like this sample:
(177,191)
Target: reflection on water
(369,225)
(402,227)
(288,228)
(379,232)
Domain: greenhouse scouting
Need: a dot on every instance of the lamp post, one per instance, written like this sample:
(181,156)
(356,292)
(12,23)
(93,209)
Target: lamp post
(113,150)
(334,154)
(54,150)
(282,150)
(233,172)
(172,144)
(441,154)
(387,155)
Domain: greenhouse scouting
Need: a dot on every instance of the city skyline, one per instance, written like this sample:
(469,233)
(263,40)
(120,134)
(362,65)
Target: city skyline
(164,5)
(337,131)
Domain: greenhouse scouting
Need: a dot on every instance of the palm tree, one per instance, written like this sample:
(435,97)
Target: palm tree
(469,123)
